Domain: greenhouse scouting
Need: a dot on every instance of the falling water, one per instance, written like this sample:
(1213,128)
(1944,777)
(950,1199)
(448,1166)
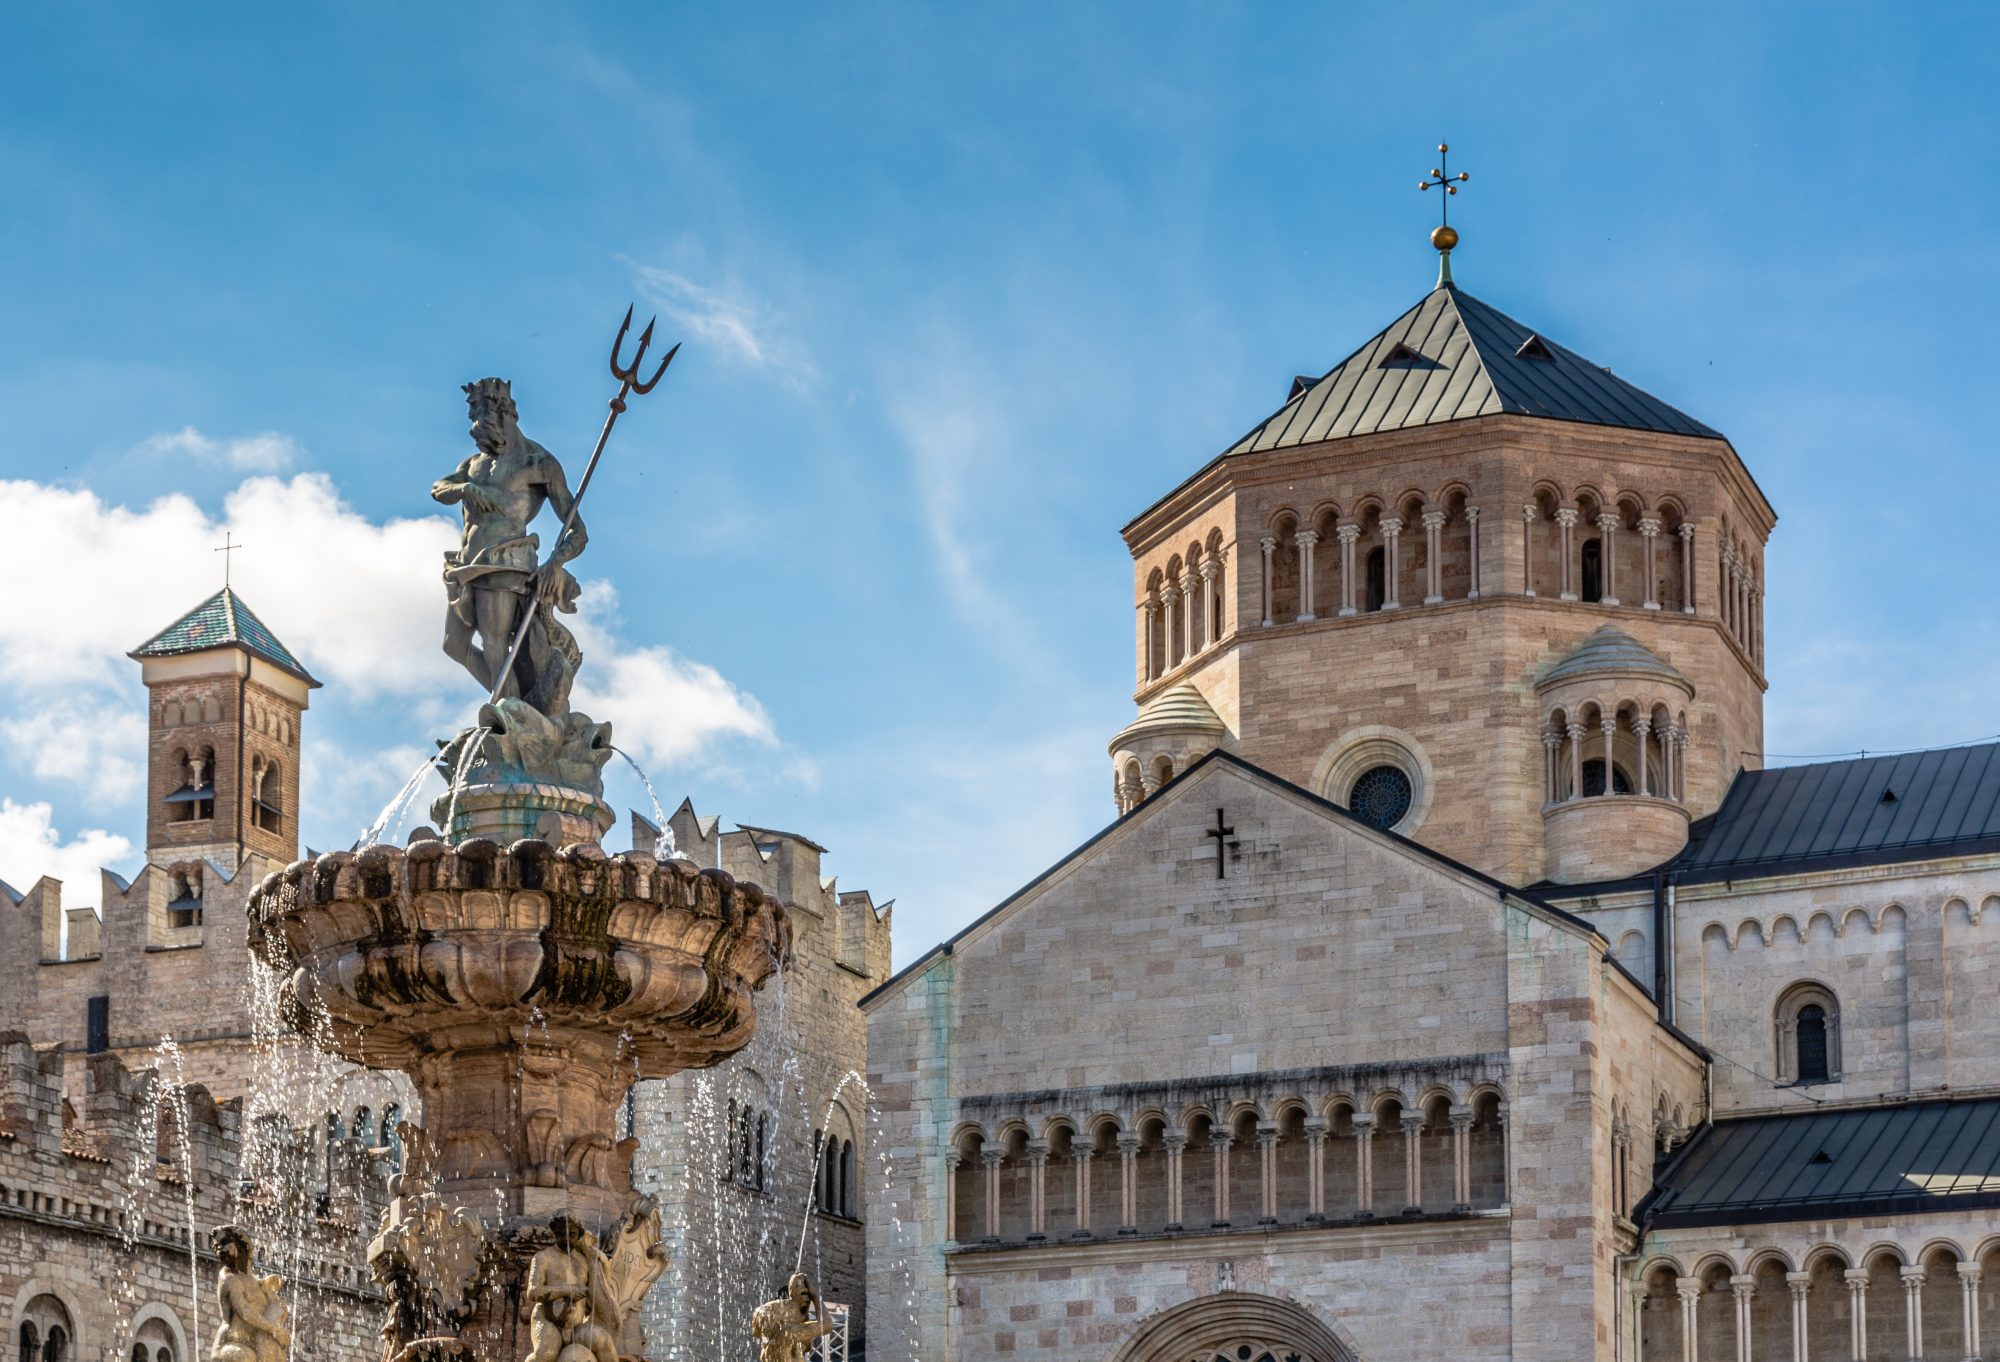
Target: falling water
(397,808)
(819,1155)
(666,848)
(475,738)
(174,1096)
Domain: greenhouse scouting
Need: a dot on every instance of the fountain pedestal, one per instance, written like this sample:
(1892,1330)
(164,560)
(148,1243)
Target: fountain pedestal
(523,989)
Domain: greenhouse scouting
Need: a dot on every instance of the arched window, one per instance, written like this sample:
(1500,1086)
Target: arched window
(268,805)
(56,1347)
(1593,570)
(31,1342)
(847,1178)
(1593,779)
(364,1126)
(1808,1035)
(1378,578)
(392,1135)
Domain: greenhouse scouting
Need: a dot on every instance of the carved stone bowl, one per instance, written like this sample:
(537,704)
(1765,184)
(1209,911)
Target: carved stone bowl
(523,989)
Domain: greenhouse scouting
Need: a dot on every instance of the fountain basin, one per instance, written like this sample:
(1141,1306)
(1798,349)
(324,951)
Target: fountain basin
(523,988)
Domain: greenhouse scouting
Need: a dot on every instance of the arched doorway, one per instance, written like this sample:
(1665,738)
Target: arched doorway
(1235,1326)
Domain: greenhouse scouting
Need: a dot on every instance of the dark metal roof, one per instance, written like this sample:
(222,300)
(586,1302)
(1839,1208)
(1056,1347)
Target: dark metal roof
(1816,1164)
(223,621)
(1864,811)
(1452,357)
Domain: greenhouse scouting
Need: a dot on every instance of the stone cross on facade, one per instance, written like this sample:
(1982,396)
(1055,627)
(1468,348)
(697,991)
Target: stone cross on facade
(1225,842)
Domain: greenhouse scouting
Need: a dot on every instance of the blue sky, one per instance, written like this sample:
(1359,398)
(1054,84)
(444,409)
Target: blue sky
(962,291)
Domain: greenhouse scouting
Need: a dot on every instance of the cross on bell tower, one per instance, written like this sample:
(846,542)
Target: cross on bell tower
(1444,236)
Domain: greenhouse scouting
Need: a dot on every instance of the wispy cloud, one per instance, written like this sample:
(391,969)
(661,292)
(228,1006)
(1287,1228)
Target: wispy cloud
(728,319)
(265,452)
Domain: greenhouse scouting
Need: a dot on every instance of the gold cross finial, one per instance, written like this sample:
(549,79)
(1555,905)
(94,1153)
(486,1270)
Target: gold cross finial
(228,547)
(1445,236)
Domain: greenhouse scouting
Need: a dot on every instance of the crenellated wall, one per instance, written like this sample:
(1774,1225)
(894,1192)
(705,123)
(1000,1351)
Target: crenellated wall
(102,1174)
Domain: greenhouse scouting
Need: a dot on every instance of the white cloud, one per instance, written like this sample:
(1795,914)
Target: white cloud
(663,707)
(265,452)
(360,602)
(31,847)
(727,319)
(97,742)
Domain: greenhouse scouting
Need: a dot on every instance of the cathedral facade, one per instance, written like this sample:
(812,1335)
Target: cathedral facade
(1454,982)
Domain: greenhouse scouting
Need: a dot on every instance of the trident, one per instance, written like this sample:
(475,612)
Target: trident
(628,383)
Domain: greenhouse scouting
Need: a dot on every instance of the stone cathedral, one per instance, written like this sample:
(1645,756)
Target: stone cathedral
(1454,982)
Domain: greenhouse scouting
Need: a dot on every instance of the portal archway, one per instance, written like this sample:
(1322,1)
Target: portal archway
(1236,1326)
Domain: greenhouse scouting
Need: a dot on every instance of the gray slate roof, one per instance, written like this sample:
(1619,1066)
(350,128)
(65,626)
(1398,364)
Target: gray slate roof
(1452,357)
(1610,650)
(1864,811)
(1811,1164)
(223,621)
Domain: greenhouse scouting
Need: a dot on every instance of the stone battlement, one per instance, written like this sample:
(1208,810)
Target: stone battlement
(846,927)
(105,1152)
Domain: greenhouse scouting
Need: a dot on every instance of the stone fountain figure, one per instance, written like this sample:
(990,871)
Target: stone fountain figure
(253,1327)
(786,1328)
(521,977)
(503,624)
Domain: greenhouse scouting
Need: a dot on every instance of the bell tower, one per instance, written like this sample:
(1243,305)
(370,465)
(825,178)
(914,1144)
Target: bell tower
(224,699)
(1471,585)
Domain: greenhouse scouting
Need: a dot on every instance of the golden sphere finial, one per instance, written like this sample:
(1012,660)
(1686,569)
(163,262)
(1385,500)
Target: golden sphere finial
(1444,238)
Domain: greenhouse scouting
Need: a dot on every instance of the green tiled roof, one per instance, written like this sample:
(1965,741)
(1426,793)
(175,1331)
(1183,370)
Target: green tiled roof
(223,621)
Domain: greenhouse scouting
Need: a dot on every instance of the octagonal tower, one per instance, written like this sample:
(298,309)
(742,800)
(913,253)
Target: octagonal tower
(1370,590)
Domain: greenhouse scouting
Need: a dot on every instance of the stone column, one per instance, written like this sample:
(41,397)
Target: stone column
(1913,1311)
(991,1159)
(1607,525)
(1413,1159)
(1173,632)
(1687,569)
(1149,620)
(1211,603)
(1757,625)
(1038,1200)
(1638,1318)
(1680,765)
(1800,1283)
(1968,1289)
(1190,608)
(1347,534)
(1689,1290)
(1742,1288)
(1392,533)
(1364,1165)
(1650,529)
(1857,1293)
(1305,539)
(1315,1169)
(1267,1168)
(1221,1145)
(1472,540)
(1529,515)
(1433,569)
(951,1162)
(1461,1159)
(1566,535)
(1128,1186)
(1575,761)
(1175,1142)
(1080,1155)
(1610,727)
(1642,729)
(1551,747)
(1269,544)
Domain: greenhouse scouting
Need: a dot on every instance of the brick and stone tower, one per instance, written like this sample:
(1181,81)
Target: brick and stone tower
(1471,585)
(225,702)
